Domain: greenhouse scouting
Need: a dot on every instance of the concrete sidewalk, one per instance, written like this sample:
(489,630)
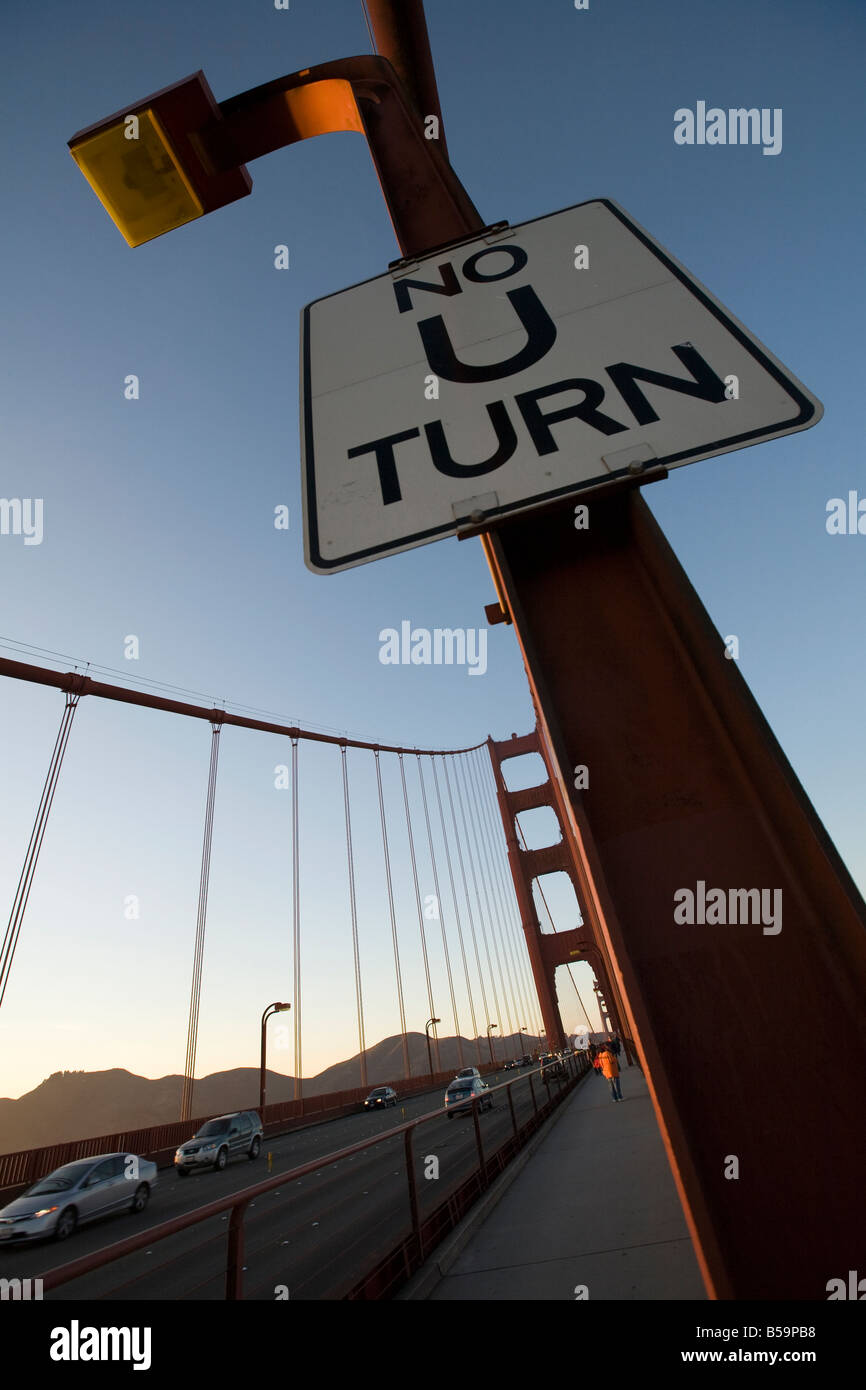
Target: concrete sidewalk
(594,1205)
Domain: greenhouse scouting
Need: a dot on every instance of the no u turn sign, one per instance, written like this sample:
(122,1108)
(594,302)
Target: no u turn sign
(521,366)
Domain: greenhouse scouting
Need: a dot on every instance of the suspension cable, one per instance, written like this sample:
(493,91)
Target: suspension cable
(407,1070)
(484,829)
(440,912)
(517,927)
(466,898)
(418,904)
(472,858)
(28,871)
(503,1016)
(296,923)
(505,891)
(201,922)
(359,1000)
(454,900)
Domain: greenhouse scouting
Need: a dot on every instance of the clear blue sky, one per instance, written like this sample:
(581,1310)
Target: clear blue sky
(158,513)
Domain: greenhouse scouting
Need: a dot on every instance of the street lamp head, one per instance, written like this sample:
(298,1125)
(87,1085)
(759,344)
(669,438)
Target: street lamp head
(148,166)
(281,1008)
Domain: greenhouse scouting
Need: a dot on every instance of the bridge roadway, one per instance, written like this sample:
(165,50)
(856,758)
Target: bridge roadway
(316,1237)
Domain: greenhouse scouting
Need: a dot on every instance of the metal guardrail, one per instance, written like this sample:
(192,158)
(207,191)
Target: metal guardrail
(388,1269)
(158,1142)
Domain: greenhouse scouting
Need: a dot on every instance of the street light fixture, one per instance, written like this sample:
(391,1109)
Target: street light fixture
(148,167)
(271,1009)
(179,153)
(427,1026)
(490,1041)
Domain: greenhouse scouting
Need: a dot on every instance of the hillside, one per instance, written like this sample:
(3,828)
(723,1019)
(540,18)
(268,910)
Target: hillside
(78,1105)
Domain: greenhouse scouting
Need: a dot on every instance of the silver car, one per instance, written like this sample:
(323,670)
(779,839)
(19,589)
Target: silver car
(228,1136)
(76,1193)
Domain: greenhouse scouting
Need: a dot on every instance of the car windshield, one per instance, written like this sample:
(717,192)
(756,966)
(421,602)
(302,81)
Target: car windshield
(61,1181)
(211,1128)
(380,1091)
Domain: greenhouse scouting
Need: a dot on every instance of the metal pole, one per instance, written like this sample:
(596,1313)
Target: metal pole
(700,794)
(262,1071)
(511,1108)
(235,1253)
(413,1189)
(482,1167)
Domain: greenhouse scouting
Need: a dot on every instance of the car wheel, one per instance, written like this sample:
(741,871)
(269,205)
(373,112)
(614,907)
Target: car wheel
(255,1147)
(66,1223)
(182,1172)
(451,1114)
(222,1159)
(141,1198)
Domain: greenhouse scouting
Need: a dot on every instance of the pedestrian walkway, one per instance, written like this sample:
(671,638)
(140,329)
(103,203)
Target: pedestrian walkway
(595,1205)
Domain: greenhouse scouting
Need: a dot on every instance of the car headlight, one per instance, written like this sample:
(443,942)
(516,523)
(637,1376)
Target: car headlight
(46,1211)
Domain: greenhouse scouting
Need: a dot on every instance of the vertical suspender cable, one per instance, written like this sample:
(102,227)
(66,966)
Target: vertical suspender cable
(359,999)
(454,901)
(491,844)
(25,882)
(296,924)
(418,904)
(466,895)
(474,859)
(516,924)
(503,1015)
(495,916)
(407,1069)
(201,922)
(440,912)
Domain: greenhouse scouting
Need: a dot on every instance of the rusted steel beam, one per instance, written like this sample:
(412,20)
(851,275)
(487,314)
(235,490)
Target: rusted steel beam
(689,790)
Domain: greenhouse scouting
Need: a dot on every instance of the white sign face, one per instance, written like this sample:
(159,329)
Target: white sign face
(521,366)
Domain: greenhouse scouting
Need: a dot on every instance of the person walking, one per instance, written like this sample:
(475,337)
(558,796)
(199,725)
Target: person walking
(610,1069)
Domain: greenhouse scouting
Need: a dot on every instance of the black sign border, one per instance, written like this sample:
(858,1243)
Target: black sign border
(321,564)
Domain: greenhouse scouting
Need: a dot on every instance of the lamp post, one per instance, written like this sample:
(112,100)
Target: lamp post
(490,1041)
(427,1027)
(271,1009)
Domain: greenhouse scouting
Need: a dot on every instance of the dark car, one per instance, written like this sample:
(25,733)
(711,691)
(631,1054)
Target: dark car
(463,1092)
(551,1066)
(228,1136)
(380,1098)
(526,1060)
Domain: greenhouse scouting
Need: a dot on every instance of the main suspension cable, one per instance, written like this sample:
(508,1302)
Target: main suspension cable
(28,871)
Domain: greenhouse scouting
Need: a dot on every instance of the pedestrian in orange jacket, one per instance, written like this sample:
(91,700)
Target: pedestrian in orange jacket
(610,1068)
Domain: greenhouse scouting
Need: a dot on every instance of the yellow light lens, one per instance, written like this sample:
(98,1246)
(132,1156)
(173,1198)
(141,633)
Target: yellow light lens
(139,181)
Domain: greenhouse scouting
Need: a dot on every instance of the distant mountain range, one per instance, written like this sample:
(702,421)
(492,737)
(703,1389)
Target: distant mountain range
(85,1104)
